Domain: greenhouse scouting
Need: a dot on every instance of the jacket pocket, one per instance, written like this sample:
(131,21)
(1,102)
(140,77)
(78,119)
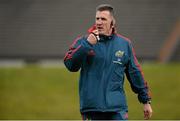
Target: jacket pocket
(90,94)
(116,99)
(116,96)
(118,74)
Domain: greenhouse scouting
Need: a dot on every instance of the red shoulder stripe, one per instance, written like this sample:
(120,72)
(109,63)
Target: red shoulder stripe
(69,54)
(121,36)
(75,41)
(140,69)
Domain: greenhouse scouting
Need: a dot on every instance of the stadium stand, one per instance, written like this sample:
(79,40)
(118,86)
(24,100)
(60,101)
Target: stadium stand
(170,47)
(41,29)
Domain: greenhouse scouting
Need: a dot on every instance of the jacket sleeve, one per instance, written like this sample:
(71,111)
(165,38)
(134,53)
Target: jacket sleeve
(76,54)
(135,77)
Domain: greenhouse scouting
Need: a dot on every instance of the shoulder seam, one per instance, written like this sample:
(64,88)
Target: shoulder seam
(125,38)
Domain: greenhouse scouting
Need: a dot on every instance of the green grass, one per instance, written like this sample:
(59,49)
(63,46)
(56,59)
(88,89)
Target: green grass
(164,82)
(33,92)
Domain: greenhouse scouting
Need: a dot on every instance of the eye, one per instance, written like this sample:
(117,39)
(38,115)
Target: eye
(104,19)
(97,18)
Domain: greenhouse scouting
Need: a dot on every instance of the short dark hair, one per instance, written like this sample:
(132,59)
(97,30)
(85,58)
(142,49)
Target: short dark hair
(106,7)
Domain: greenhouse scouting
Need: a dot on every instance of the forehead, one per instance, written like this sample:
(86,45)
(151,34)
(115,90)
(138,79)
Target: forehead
(105,14)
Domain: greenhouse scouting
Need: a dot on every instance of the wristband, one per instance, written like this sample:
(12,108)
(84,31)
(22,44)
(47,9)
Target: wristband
(148,102)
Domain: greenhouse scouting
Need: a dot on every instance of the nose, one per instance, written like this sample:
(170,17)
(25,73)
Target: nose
(99,22)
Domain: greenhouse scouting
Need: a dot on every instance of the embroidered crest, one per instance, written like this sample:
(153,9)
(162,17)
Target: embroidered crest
(119,53)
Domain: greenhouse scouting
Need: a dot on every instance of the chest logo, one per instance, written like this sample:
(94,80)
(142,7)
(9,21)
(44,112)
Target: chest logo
(119,53)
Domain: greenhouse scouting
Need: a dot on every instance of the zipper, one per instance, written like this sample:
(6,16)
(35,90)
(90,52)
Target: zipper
(104,74)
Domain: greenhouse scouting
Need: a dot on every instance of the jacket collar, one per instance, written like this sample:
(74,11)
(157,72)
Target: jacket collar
(104,38)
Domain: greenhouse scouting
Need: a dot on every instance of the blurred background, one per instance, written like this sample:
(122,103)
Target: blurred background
(35,34)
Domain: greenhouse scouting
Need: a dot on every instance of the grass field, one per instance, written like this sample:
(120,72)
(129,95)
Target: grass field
(34,92)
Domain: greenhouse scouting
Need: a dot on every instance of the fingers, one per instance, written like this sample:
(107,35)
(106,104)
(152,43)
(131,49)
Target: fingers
(147,115)
(96,32)
(147,111)
(93,38)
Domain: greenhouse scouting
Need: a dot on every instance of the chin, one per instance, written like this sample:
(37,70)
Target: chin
(100,32)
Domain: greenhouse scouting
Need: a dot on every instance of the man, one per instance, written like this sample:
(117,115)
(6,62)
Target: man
(104,57)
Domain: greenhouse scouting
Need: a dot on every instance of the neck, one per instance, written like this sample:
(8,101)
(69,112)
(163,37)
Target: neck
(110,32)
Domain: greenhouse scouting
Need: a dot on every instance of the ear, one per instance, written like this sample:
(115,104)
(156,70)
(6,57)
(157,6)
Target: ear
(113,22)
(113,25)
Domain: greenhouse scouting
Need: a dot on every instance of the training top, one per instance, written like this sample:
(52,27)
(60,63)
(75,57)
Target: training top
(102,69)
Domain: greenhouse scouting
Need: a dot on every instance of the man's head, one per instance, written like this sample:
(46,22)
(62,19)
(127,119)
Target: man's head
(105,19)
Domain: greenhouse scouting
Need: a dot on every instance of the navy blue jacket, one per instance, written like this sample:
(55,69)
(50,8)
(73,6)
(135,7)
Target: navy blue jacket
(103,66)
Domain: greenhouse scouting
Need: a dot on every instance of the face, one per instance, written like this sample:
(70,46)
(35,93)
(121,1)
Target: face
(104,22)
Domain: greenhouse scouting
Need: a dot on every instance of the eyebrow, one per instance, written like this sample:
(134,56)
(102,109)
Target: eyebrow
(103,18)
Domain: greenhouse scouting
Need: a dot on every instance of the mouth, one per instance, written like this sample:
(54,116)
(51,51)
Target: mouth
(100,28)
